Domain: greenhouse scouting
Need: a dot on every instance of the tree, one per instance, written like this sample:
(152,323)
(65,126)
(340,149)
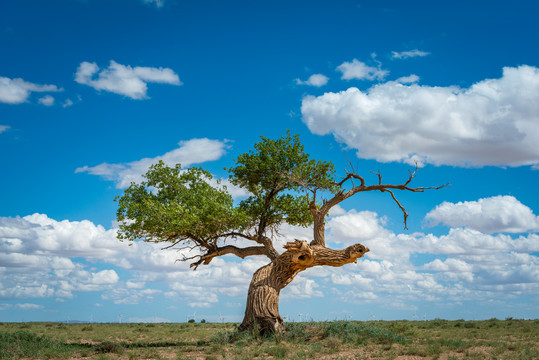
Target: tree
(187,208)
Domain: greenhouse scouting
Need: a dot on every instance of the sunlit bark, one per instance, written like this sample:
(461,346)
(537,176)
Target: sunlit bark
(262,310)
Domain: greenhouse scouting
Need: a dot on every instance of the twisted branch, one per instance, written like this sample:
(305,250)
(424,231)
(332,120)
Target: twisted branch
(228,249)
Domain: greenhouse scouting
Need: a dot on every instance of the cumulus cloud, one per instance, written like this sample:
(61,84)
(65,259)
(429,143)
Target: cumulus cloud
(235,191)
(16,91)
(39,258)
(157,3)
(301,288)
(408,54)
(122,295)
(35,257)
(488,215)
(23,306)
(4,128)
(124,80)
(469,264)
(317,80)
(46,100)
(388,246)
(448,265)
(361,71)
(67,103)
(189,152)
(408,79)
(493,122)
(38,234)
(352,227)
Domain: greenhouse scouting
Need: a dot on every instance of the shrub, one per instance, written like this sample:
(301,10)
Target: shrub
(25,344)
(109,347)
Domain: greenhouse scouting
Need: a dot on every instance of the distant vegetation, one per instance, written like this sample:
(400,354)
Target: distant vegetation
(435,339)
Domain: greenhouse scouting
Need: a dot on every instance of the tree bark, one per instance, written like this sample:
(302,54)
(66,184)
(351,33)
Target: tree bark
(262,309)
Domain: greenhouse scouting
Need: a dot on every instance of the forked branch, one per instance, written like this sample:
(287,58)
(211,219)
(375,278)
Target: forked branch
(350,176)
(228,249)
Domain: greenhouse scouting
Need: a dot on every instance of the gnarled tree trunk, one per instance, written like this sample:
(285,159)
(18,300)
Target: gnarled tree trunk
(262,310)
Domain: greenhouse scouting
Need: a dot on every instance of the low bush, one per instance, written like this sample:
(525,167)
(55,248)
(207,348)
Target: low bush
(21,344)
(109,347)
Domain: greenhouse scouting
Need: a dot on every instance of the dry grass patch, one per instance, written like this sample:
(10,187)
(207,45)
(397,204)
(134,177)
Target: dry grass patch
(388,340)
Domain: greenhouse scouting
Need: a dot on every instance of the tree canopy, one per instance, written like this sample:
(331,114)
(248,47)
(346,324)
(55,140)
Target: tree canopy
(187,206)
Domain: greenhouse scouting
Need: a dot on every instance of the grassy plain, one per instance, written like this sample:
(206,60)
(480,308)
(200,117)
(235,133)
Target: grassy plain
(435,339)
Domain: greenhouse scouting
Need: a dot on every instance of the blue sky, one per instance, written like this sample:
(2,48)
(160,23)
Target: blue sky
(93,91)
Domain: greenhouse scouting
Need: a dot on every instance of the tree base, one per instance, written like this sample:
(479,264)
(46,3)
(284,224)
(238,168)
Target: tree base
(262,309)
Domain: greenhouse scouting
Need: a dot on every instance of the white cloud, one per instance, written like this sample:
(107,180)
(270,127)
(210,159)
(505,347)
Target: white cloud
(16,91)
(67,103)
(336,210)
(122,295)
(408,79)
(352,227)
(23,306)
(494,122)
(363,227)
(473,265)
(317,80)
(361,71)
(135,284)
(235,191)
(4,128)
(157,3)
(488,215)
(124,80)
(448,265)
(35,254)
(301,288)
(37,234)
(189,152)
(39,259)
(27,306)
(468,242)
(408,54)
(46,100)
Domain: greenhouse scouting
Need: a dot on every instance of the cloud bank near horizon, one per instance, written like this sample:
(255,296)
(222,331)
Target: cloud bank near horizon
(40,258)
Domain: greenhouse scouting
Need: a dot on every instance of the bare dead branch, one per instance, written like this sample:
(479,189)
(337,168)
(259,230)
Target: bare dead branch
(234,234)
(401,207)
(379,176)
(378,187)
(412,175)
(351,176)
(229,249)
(190,248)
(173,244)
(185,258)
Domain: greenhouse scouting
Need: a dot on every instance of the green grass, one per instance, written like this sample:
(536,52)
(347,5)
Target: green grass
(436,339)
(25,344)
